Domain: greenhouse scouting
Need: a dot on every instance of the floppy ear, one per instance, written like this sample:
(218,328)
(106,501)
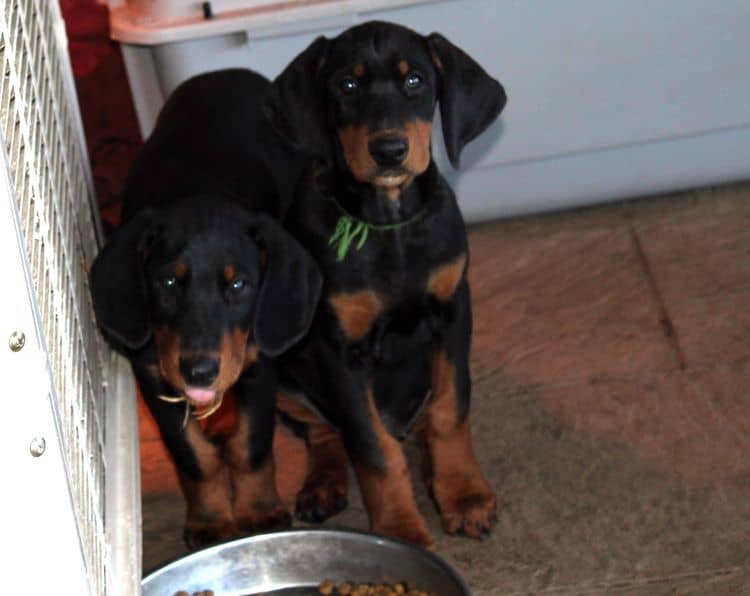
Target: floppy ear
(470,99)
(295,102)
(117,284)
(291,288)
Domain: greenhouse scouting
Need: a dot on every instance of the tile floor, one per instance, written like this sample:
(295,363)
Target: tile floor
(611,411)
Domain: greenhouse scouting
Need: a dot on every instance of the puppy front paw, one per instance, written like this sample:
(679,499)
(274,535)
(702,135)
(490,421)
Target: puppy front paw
(200,533)
(320,498)
(471,512)
(264,517)
(413,531)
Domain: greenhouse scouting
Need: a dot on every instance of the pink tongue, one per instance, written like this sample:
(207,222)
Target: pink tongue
(201,396)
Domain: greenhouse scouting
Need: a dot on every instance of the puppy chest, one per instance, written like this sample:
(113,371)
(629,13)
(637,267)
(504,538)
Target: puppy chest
(403,296)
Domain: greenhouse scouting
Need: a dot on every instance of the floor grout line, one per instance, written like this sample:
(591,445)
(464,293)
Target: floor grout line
(665,320)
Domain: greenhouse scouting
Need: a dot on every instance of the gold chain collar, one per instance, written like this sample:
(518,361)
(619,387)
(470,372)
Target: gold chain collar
(198,413)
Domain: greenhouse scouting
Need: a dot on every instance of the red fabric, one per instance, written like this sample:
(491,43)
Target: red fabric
(106,104)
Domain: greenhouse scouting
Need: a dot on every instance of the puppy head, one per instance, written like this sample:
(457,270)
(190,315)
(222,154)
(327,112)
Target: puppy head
(365,100)
(210,285)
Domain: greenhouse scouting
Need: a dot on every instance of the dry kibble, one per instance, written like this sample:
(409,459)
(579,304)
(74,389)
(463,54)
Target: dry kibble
(348,589)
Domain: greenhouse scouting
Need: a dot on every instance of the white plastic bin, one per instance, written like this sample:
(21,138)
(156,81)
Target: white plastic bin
(606,99)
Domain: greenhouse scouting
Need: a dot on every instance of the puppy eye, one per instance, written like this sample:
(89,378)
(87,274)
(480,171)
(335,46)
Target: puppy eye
(169,282)
(413,81)
(238,284)
(349,85)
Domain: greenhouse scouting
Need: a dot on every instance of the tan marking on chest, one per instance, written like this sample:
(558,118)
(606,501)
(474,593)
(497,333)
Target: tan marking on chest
(444,280)
(356,312)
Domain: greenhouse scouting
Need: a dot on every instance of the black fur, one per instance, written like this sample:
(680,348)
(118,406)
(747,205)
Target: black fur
(385,80)
(200,258)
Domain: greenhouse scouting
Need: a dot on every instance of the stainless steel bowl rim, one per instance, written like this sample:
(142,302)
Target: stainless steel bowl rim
(216,549)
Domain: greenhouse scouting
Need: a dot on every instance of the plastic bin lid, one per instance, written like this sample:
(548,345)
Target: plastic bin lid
(152,22)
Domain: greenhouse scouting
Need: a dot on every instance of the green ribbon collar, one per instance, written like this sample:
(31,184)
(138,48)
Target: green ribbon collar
(351,230)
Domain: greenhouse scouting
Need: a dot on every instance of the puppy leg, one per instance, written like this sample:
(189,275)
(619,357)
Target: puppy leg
(386,485)
(324,492)
(376,455)
(466,502)
(203,476)
(249,452)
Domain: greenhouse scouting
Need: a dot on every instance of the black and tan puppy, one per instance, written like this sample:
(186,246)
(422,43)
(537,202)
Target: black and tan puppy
(389,347)
(200,290)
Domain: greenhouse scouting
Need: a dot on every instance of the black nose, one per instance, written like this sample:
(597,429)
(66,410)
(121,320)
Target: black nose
(389,151)
(200,372)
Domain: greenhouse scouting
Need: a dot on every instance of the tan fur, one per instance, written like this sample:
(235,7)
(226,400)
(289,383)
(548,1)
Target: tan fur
(388,494)
(256,504)
(355,141)
(234,356)
(251,355)
(355,145)
(444,280)
(419,133)
(168,352)
(208,500)
(297,410)
(356,312)
(465,499)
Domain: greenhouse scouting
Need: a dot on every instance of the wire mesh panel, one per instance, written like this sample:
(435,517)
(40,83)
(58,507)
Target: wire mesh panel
(41,130)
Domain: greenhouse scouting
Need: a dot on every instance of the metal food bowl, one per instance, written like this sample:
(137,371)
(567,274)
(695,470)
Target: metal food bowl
(299,560)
